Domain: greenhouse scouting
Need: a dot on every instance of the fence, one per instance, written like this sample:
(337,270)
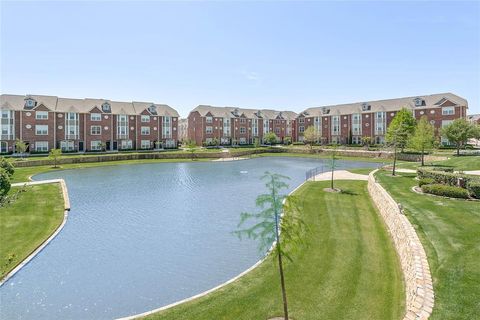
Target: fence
(312,173)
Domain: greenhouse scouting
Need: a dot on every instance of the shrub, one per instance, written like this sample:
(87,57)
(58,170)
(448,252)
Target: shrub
(474,188)
(298,144)
(444,169)
(445,191)
(425,181)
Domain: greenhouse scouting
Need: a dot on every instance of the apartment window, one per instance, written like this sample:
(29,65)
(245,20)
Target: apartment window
(209,119)
(301,129)
(96,145)
(95,130)
(356,124)
(145,118)
(356,140)
(419,102)
(277,131)
(446,111)
(226,127)
(41,146)
(366,107)
(167,127)
(41,115)
(7,125)
(41,130)
(243,130)
(255,127)
(301,120)
(126,144)
(67,145)
(30,103)
(145,131)
(3,146)
(266,127)
(208,129)
(446,123)
(122,126)
(335,125)
(243,120)
(71,126)
(243,140)
(145,144)
(380,123)
(95,116)
(106,107)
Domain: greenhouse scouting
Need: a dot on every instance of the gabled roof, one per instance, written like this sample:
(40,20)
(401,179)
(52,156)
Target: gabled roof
(229,112)
(431,101)
(17,102)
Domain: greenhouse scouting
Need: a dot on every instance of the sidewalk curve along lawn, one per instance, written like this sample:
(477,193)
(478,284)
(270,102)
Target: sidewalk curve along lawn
(450,232)
(348,270)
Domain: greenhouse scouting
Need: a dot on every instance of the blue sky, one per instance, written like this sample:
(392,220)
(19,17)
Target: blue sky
(284,55)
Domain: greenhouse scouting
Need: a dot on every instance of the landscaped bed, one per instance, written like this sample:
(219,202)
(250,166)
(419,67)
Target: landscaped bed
(28,222)
(349,270)
(449,230)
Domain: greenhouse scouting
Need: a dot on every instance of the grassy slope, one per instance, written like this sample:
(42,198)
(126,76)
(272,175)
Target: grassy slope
(459,163)
(450,233)
(28,222)
(349,270)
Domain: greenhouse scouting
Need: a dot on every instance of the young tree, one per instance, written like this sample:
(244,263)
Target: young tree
(459,131)
(332,164)
(4,184)
(191,147)
(423,138)
(366,141)
(20,147)
(278,217)
(271,138)
(256,143)
(399,131)
(54,155)
(310,136)
(287,140)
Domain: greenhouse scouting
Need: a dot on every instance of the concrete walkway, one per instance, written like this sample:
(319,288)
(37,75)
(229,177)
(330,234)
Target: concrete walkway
(339,175)
(230,159)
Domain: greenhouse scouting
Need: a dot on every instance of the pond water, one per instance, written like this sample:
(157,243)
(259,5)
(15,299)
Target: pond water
(146,235)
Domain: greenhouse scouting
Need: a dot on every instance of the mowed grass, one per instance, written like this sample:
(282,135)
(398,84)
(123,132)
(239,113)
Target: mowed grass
(450,233)
(348,270)
(459,163)
(28,222)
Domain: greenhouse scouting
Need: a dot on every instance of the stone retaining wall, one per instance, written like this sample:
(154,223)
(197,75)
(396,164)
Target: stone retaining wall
(413,259)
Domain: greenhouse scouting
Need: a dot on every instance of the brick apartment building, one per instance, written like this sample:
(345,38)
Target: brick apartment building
(474,118)
(236,126)
(47,122)
(349,123)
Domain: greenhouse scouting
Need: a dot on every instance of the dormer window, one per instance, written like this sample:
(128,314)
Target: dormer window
(30,103)
(419,102)
(325,110)
(259,113)
(366,107)
(106,107)
(152,109)
(235,112)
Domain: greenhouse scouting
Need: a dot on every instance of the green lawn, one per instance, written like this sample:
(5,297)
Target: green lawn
(459,163)
(450,232)
(28,222)
(349,270)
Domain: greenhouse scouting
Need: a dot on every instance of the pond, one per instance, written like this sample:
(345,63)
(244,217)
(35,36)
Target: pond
(142,236)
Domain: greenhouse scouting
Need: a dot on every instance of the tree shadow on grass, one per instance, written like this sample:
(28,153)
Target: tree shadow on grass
(349,192)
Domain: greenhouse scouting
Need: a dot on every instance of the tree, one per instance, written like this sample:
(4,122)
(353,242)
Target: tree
(399,131)
(20,146)
(4,184)
(7,166)
(280,215)
(287,140)
(423,138)
(332,164)
(54,155)
(366,141)
(310,136)
(191,146)
(459,131)
(256,143)
(271,138)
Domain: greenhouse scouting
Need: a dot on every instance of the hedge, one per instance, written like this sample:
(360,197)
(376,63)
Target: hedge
(474,188)
(425,181)
(471,183)
(445,191)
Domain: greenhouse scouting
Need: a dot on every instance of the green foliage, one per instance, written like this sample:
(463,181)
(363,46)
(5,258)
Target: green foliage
(474,188)
(256,142)
(54,155)
(459,131)
(445,191)
(287,140)
(271,138)
(311,135)
(448,178)
(423,138)
(20,146)
(401,128)
(274,206)
(7,166)
(4,184)
(424,181)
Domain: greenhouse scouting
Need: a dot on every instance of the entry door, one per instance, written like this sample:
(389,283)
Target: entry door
(107,145)
(80,146)
(115,147)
